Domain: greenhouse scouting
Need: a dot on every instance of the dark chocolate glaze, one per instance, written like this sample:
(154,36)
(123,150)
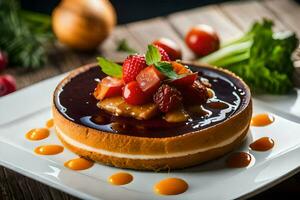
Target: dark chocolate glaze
(76,102)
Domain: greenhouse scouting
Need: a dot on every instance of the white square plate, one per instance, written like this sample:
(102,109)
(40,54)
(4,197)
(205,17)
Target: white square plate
(30,108)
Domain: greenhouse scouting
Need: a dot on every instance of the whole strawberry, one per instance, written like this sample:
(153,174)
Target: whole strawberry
(3,60)
(163,53)
(132,66)
(167,98)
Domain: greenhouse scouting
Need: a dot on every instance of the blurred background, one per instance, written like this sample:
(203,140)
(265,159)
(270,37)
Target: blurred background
(128,10)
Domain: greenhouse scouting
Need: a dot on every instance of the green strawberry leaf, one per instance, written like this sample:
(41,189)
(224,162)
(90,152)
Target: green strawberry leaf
(152,55)
(166,69)
(109,67)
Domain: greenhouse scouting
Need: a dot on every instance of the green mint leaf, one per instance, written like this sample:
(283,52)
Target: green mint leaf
(123,46)
(167,69)
(110,68)
(152,55)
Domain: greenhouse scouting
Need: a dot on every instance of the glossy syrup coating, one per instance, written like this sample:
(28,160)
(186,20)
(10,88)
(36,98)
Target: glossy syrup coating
(76,102)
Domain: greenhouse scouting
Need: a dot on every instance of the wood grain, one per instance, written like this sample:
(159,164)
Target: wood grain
(211,15)
(244,13)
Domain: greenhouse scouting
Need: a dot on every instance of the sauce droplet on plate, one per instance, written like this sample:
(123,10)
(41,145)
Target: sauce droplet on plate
(170,186)
(262,144)
(120,178)
(79,164)
(37,134)
(262,120)
(238,160)
(49,149)
(50,123)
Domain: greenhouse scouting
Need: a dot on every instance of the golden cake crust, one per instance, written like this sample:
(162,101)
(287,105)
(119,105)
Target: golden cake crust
(236,126)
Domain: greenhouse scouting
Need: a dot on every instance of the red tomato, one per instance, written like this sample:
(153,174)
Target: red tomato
(133,94)
(149,79)
(172,48)
(202,40)
(109,87)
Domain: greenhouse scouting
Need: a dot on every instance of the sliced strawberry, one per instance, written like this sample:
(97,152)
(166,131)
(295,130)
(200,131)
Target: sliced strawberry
(163,53)
(171,48)
(187,79)
(132,66)
(194,94)
(108,87)
(180,69)
(149,79)
(133,94)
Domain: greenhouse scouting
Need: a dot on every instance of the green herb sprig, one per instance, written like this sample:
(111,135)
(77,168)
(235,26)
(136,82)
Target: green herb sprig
(24,35)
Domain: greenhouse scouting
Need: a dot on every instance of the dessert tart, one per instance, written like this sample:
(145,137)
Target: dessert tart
(151,113)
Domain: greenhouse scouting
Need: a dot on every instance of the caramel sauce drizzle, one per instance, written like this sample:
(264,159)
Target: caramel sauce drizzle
(170,186)
(78,164)
(262,144)
(238,160)
(37,134)
(120,178)
(263,119)
(50,123)
(49,149)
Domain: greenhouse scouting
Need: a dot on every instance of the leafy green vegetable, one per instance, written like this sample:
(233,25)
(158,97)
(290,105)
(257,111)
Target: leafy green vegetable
(152,55)
(24,35)
(123,46)
(109,67)
(261,57)
(167,69)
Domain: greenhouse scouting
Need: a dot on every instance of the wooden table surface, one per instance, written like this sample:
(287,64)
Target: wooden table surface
(229,19)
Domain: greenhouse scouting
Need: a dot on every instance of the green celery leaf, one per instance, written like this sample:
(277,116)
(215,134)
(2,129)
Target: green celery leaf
(109,67)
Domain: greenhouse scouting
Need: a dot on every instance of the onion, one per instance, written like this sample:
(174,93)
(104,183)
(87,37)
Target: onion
(83,24)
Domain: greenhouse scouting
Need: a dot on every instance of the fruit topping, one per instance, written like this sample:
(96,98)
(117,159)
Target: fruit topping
(118,107)
(149,79)
(133,94)
(132,66)
(170,47)
(145,86)
(180,69)
(167,98)
(187,79)
(194,94)
(163,53)
(7,85)
(108,87)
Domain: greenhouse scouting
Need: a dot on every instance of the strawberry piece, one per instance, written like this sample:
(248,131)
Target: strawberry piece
(170,47)
(132,66)
(194,94)
(149,79)
(133,94)
(163,53)
(180,69)
(7,84)
(167,98)
(108,87)
(188,79)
